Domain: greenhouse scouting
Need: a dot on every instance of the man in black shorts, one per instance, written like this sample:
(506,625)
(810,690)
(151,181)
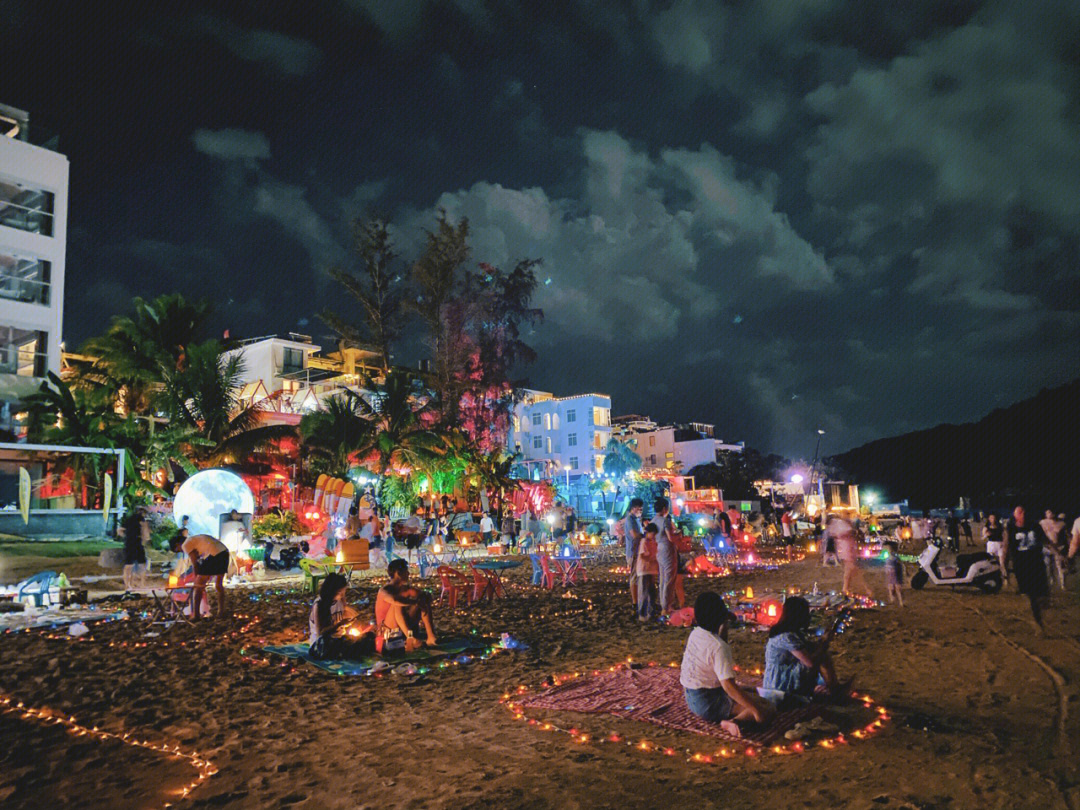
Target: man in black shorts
(210,558)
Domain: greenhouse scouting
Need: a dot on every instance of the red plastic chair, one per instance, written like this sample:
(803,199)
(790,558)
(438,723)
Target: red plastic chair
(453,583)
(485,584)
(549,575)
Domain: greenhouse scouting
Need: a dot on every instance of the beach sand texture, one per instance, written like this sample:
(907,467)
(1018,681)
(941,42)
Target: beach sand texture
(985,713)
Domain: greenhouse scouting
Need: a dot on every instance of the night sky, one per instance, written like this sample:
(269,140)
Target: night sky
(775,216)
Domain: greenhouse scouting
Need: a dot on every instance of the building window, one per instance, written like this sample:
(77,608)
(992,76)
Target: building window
(652,460)
(292,361)
(517,424)
(26,208)
(549,446)
(573,462)
(25,280)
(599,440)
(547,421)
(536,420)
(599,461)
(22,352)
(538,442)
(601,417)
(571,416)
(652,441)
(669,455)
(571,440)
(554,421)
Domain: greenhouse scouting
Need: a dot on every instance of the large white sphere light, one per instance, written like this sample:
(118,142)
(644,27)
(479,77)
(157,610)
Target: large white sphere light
(208,495)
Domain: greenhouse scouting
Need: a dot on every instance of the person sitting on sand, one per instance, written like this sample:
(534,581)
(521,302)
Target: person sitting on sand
(708,671)
(399,607)
(792,662)
(328,618)
(210,558)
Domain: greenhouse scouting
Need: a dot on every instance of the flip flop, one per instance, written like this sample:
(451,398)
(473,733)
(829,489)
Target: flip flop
(406,669)
(380,666)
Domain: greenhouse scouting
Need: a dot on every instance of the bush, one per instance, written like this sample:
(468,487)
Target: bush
(276,524)
(161,531)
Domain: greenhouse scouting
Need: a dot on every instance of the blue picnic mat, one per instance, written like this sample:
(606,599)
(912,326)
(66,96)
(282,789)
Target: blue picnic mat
(444,649)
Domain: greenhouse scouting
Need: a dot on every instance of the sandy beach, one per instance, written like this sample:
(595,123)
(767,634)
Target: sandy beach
(984,712)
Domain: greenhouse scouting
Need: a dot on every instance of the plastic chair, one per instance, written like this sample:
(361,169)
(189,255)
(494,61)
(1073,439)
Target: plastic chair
(43,581)
(549,575)
(312,576)
(426,563)
(454,583)
(538,577)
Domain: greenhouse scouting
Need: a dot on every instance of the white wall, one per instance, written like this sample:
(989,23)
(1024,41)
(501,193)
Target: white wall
(34,166)
(555,430)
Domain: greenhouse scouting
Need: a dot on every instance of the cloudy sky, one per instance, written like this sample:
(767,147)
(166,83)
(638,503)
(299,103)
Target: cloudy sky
(776,216)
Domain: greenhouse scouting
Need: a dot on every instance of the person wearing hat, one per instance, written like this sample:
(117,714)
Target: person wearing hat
(707,675)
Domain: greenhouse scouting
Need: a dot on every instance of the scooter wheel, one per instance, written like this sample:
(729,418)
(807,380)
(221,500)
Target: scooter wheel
(990,584)
(920,579)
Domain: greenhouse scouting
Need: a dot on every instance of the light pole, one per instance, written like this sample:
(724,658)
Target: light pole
(813,467)
(566,469)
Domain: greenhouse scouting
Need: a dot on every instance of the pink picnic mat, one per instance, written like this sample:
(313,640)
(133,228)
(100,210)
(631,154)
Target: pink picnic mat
(652,695)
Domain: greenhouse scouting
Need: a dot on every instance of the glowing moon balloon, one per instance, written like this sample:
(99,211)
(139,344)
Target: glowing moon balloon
(208,495)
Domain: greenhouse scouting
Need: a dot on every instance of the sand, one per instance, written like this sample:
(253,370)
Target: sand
(985,713)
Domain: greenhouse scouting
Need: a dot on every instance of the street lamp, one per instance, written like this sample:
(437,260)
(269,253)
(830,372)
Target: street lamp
(813,467)
(797,478)
(566,469)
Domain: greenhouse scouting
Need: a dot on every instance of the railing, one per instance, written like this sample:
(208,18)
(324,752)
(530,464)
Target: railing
(32,218)
(26,290)
(22,363)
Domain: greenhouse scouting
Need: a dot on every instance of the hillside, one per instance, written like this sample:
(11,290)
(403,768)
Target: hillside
(1028,452)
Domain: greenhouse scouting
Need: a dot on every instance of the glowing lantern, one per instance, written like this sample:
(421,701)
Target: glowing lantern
(340,556)
(749,593)
(437,548)
(173,580)
(813,548)
(354,631)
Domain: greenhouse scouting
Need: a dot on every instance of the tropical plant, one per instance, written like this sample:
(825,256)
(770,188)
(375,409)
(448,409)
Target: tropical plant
(335,432)
(378,289)
(131,358)
(277,523)
(204,395)
(621,458)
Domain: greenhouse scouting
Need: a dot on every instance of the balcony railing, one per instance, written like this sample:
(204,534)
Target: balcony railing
(26,290)
(22,362)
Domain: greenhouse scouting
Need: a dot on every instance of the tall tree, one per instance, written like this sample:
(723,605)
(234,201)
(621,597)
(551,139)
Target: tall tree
(338,430)
(377,287)
(437,274)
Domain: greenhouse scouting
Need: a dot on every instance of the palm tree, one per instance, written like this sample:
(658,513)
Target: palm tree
(204,395)
(620,459)
(402,440)
(494,469)
(138,349)
(334,433)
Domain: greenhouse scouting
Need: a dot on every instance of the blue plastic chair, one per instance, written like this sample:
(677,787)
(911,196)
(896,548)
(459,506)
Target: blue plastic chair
(709,542)
(426,563)
(44,581)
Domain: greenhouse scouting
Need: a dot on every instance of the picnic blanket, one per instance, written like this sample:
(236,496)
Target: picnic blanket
(53,617)
(652,695)
(446,648)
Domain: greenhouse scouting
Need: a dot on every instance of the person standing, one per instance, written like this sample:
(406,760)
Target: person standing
(788,534)
(1074,543)
(847,549)
(965,529)
(210,559)
(994,535)
(136,531)
(648,569)
(667,556)
(1054,552)
(632,533)
(1024,544)
(952,531)
(487,529)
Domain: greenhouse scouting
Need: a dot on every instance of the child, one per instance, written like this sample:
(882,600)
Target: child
(894,572)
(648,574)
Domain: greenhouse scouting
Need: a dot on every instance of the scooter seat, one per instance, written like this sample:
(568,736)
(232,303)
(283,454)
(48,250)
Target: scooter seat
(965,561)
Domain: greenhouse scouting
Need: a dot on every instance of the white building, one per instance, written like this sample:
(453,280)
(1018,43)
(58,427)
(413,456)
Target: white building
(289,376)
(679,448)
(33,243)
(557,436)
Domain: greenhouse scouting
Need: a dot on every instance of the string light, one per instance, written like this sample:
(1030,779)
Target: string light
(204,768)
(753,749)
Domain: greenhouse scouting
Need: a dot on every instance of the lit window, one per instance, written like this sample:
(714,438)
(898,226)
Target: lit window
(601,417)
(652,441)
(599,463)
(669,455)
(547,421)
(549,445)
(571,440)
(571,415)
(554,421)
(517,425)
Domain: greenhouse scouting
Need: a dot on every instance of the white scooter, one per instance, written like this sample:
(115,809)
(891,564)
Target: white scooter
(979,569)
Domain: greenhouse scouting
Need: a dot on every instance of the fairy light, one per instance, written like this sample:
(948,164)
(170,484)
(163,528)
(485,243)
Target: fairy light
(751,751)
(203,767)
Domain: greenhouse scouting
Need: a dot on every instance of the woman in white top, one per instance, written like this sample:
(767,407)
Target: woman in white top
(708,671)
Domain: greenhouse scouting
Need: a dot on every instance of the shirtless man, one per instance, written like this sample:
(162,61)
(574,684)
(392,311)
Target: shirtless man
(400,606)
(210,558)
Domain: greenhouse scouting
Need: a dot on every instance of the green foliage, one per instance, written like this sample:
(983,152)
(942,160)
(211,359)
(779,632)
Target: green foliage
(277,523)
(55,549)
(400,492)
(161,531)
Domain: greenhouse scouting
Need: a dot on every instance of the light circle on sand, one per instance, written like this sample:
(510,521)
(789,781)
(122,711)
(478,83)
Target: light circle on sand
(208,495)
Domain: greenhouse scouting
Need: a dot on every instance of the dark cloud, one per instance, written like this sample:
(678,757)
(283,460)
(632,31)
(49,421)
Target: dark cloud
(854,216)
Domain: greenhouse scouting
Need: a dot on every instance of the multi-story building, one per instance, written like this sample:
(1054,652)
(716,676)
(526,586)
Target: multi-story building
(290,376)
(678,448)
(33,242)
(560,436)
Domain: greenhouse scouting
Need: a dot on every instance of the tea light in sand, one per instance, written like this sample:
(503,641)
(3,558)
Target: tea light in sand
(340,557)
